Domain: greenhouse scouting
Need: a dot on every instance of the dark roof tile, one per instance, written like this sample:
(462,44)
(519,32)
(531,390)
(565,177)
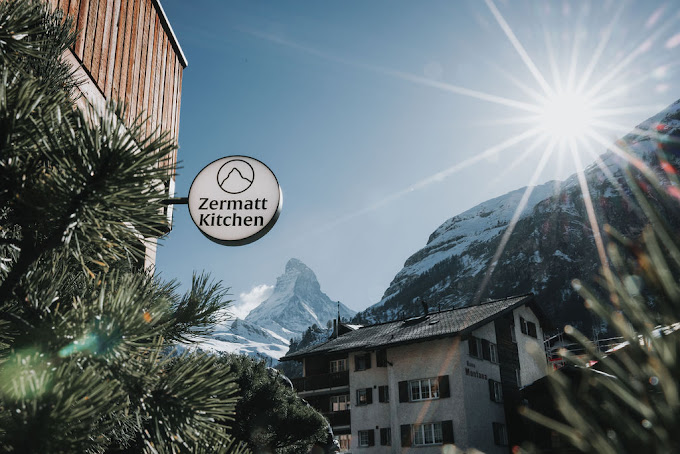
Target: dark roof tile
(435,325)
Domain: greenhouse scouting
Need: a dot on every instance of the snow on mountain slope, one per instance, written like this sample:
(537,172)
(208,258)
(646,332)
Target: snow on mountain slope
(295,304)
(246,339)
(551,244)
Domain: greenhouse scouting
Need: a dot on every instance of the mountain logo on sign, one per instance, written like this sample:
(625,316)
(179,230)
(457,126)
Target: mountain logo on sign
(235,176)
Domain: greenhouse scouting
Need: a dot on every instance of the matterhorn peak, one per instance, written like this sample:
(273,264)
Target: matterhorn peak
(294,265)
(296,303)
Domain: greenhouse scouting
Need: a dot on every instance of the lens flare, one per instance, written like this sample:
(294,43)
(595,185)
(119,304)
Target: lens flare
(566,116)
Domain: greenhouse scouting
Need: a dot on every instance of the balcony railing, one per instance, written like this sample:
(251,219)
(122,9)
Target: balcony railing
(323,381)
(338,418)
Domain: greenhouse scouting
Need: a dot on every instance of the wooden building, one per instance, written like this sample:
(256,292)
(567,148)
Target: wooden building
(127,51)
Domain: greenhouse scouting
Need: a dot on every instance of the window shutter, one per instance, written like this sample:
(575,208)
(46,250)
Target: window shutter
(382,392)
(523,325)
(492,395)
(406,435)
(485,350)
(383,436)
(447,431)
(496,437)
(381,358)
(371,437)
(368,360)
(369,396)
(444,390)
(403,391)
(472,344)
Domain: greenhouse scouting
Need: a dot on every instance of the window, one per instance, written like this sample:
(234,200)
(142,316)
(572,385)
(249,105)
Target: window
(528,328)
(495,391)
(513,334)
(426,388)
(531,328)
(493,353)
(427,434)
(344,441)
(366,438)
(386,436)
(340,403)
(364,396)
(383,393)
(500,434)
(483,349)
(381,358)
(338,365)
(362,362)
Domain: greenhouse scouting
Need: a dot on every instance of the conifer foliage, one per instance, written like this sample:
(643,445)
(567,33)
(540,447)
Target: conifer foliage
(86,336)
(629,400)
(270,417)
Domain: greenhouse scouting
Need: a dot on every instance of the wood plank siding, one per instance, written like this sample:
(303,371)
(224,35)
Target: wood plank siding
(130,53)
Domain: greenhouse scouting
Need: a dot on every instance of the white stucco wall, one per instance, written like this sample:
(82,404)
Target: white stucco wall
(374,415)
(480,410)
(421,360)
(532,365)
(469,406)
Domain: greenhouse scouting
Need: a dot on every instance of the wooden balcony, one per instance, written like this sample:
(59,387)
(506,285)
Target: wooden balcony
(324,382)
(338,418)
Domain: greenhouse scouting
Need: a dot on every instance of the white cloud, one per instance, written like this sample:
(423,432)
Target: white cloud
(247,301)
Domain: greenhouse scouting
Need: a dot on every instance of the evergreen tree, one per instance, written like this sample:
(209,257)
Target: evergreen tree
(633,404)
(270,417)
(85,335)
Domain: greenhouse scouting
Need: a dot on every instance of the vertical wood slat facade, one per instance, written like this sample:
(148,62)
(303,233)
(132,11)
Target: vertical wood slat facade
(130,53)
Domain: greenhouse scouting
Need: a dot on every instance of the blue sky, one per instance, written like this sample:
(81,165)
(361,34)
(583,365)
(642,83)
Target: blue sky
(383,119)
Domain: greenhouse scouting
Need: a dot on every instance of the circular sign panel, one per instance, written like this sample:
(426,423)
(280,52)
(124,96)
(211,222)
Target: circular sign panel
(235,200)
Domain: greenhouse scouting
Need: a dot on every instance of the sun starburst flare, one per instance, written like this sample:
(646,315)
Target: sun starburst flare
(574,107)
(573,114)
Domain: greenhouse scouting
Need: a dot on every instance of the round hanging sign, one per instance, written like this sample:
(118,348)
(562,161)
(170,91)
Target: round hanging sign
(235,200)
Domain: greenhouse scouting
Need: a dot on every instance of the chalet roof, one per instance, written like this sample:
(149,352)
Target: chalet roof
(435,325)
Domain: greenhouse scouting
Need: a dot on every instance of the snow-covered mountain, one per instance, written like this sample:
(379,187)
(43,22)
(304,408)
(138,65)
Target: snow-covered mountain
(295,304)
(552,242)
(245,339)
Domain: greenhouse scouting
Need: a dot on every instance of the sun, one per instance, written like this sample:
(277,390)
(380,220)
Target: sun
(566,115)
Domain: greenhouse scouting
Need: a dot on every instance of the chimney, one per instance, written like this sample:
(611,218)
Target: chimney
(425,308)
(335,328)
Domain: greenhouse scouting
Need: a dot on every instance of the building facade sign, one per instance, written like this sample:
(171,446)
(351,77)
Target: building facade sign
(235,200)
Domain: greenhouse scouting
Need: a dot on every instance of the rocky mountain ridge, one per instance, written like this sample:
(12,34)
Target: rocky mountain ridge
(552,242)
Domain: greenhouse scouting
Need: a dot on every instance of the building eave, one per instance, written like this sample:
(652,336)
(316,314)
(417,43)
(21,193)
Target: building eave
(171,33)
